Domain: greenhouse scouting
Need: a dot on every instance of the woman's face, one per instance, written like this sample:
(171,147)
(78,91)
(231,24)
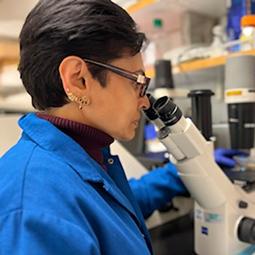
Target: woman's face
(116,108)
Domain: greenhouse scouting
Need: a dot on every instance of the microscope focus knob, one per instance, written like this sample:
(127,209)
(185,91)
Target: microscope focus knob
(246,230)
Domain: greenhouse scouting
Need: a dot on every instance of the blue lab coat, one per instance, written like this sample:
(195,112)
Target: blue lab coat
(55,199)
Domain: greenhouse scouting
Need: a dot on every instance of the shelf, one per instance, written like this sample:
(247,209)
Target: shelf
(201,64)
(213,8)
(9,53)
(140,5)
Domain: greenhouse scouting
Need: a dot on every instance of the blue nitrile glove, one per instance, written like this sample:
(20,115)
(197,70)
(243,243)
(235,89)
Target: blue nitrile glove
(223,157)
(157,188)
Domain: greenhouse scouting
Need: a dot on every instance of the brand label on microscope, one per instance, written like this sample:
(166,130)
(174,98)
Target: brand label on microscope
(213,217)
(208,217)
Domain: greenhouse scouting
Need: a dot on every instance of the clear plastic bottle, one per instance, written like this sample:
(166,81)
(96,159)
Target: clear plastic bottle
(248,32)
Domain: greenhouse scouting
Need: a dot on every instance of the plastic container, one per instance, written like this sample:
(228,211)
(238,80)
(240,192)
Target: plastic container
(248,32)
(234,16)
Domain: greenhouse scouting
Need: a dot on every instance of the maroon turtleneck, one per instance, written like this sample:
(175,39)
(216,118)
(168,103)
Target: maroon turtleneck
(90,139)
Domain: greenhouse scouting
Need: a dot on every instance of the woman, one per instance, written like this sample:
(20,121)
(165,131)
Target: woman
(62,191)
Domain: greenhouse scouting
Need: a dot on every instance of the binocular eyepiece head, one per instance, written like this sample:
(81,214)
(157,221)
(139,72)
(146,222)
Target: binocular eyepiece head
(165,109)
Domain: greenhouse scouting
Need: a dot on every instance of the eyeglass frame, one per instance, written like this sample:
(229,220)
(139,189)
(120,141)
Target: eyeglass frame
(140,79)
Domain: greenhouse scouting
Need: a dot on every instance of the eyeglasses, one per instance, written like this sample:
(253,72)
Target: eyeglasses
(140,79)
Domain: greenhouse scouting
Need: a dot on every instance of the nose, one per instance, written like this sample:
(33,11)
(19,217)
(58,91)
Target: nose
(144,103)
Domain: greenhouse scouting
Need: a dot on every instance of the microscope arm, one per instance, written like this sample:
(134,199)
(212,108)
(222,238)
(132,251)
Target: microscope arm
(195,161)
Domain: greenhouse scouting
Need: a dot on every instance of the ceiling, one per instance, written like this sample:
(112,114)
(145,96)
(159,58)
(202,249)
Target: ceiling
(13,12)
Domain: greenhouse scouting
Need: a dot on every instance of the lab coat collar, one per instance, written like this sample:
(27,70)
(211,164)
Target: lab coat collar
(48,137)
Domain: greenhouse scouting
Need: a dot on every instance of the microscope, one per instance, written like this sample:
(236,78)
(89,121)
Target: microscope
(224,212)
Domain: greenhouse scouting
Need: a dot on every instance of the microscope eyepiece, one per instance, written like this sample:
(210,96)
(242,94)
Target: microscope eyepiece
(151,113)
(168,112)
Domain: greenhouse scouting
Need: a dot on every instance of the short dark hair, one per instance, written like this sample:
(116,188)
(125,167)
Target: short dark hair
(54,29)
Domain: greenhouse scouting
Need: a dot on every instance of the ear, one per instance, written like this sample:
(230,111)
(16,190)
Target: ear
(73,72)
